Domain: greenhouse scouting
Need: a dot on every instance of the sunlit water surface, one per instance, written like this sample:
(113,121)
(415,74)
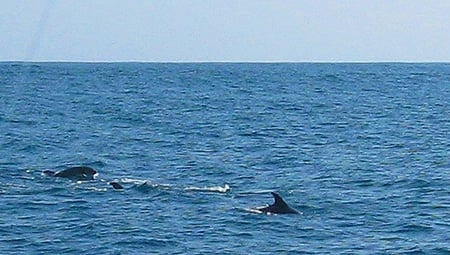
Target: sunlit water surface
(362,150)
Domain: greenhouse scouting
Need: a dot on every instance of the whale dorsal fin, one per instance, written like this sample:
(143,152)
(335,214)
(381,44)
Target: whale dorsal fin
(279,202)
(116,185)
(49,172)
(279,206)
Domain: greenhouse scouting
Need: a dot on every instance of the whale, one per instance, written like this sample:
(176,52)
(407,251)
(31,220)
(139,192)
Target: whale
(278,207)
(116,185)
(77,173)
(80,173)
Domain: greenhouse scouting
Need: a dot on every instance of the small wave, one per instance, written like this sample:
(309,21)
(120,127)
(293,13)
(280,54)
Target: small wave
(249,210)
(147,186)
(217,189)
(139,182)
(418,228)
(96,189)
(151,242)
(253,192)
(133,181)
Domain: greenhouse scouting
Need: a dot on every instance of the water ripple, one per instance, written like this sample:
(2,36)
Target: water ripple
(360,149)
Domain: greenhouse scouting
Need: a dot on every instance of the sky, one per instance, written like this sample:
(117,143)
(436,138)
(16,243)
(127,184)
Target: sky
(225,30)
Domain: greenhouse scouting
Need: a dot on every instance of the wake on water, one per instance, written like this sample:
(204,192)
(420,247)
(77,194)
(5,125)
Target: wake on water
(146,186)
(142,185)
(218,189)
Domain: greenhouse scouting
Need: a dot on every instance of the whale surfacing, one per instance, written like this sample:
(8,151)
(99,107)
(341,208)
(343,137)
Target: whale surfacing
(116,185)
(278,207)
(78,173)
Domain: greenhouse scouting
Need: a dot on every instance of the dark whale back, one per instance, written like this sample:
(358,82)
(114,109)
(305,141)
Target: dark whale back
(116,185)
(79,173)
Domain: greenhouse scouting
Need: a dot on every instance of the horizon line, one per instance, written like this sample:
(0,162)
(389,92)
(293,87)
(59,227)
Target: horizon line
(224,62)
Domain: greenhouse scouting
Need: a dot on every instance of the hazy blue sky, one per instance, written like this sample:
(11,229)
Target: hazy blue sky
(226,30)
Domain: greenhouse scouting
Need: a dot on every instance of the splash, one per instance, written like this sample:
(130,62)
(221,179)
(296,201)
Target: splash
(218,189)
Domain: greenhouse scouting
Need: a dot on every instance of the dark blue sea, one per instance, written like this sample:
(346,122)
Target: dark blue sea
(362,150)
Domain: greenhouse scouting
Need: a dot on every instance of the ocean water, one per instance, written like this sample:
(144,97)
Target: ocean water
(362,150)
